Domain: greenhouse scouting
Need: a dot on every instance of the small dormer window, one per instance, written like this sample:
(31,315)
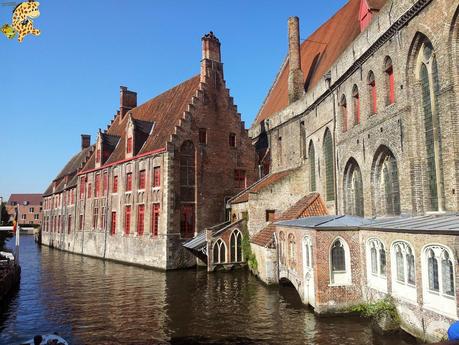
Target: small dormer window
(129,145)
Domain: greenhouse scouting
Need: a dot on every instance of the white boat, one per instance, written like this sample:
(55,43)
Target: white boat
(46,339)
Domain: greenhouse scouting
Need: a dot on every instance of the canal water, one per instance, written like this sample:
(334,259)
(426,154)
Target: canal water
(89,301)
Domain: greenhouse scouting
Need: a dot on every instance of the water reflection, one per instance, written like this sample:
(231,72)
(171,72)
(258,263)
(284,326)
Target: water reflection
(89,301)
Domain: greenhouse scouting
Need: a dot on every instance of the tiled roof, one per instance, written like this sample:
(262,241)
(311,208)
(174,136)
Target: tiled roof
(310,206)
(32,199)
(70,170)
(164,111)
(267,181)
(328,42)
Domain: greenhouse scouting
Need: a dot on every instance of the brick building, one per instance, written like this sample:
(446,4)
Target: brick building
(363,112)
(30,208)
(160,173)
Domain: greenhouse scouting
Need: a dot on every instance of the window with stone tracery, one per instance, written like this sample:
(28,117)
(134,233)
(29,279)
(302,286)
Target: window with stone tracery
(219,252)
(439,289)
(340,263)
(403,270)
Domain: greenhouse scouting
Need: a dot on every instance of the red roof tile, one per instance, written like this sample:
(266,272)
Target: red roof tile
(32,199)
(165,110)
(309,206)
(328,42)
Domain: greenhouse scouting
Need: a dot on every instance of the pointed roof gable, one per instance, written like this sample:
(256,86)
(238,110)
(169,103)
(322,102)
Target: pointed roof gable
(309,206)
(318,53)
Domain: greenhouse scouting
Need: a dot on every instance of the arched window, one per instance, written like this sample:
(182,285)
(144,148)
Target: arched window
(340,263)
(403,270)
(439,287)
(343,107)
(390,81)
(187,189)
(219,252)
(428,75)
(291,250)
(372,93)
(236,246)
(385,186)
(353,189)
(282,248)
(328,159)
(307,245)
(356,103)
(376,264)
(312,167)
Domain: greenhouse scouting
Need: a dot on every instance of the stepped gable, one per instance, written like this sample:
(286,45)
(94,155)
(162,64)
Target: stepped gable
(163,111)
(267,181)
(309,206)
(70,171)
(328,42)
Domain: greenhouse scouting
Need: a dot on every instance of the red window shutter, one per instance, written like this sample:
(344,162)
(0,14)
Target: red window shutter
(155,220)
(344,115)
(115,184)
(82,186)
(356,109)
(239,178)
(113,228)
(187,221)
(105,182)
(390,73)
(142,179)
(127,221)
(140,219)
(129,182)
(156,177)
(129,145)
(373,98)
(97,192)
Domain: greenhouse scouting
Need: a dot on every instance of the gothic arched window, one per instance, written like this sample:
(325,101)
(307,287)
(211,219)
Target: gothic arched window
(312,167)
(236,246)
(328,159)
(219,252)
(356,103)
(372,93)
(353,189)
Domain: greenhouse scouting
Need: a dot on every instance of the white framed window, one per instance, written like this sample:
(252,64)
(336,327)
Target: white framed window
(219,252)
(340,263)
(282,248)
(31,210)
(291,250)
(403,271)
(439,291)
(307,254)
(376,264)
(236,246)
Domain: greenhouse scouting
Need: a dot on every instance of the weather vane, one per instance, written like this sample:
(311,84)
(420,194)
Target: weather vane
(22,23)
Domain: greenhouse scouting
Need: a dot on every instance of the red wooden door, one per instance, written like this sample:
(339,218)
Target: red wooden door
(187,220)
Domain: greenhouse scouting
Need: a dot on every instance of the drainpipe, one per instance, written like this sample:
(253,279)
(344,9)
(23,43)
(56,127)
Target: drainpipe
(327,78)
(106,209)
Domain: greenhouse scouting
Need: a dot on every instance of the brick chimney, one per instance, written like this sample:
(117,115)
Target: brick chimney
(211,57)
(85,141)
(128,100)
(295,75)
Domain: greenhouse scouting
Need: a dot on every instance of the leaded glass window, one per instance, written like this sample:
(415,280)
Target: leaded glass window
(353,189)
(374,260)
(400,265)
(219,252)
(329,174)
(447,274)
(440,279)
(312,167)
(338,257)
(235,246)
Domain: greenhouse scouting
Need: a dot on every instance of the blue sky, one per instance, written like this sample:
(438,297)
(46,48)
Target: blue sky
(66,82)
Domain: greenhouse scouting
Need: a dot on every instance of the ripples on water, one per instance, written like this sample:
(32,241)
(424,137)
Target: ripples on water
(89,301)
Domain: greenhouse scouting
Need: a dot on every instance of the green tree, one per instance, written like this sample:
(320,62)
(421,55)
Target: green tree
(4,220)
